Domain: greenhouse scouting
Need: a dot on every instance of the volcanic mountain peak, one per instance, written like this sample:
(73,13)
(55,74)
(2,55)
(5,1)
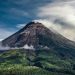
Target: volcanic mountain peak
(33,28)
(27,35)
(34,24)
(36,35)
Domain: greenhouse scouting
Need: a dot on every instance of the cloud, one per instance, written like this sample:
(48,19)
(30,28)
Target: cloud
(59,15)
(48,24)
(28,47)
(1,39)
(20,26)
(66,12)
(68,33)
(5,33)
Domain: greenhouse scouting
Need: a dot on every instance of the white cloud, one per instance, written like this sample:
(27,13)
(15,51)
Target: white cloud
(48,24)
(5,33)
(20,26)
(28,47)
(60,10)
(1,39)
(66,12)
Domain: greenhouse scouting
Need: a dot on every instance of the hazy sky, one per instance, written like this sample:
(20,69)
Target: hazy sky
(56,14)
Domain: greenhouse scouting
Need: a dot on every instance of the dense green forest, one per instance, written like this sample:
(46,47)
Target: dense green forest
(35,62)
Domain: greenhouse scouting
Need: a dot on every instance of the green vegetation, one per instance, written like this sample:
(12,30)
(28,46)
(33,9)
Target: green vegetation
(39,62)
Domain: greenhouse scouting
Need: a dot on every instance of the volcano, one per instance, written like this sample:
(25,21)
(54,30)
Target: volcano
(37,36)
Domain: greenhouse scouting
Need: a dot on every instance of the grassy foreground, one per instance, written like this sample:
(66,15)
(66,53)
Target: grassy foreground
(26,70)
(29,62)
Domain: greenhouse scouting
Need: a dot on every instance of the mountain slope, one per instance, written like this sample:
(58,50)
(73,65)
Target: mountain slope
(38,35)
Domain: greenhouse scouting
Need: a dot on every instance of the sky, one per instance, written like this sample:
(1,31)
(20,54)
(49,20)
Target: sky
(55,14)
